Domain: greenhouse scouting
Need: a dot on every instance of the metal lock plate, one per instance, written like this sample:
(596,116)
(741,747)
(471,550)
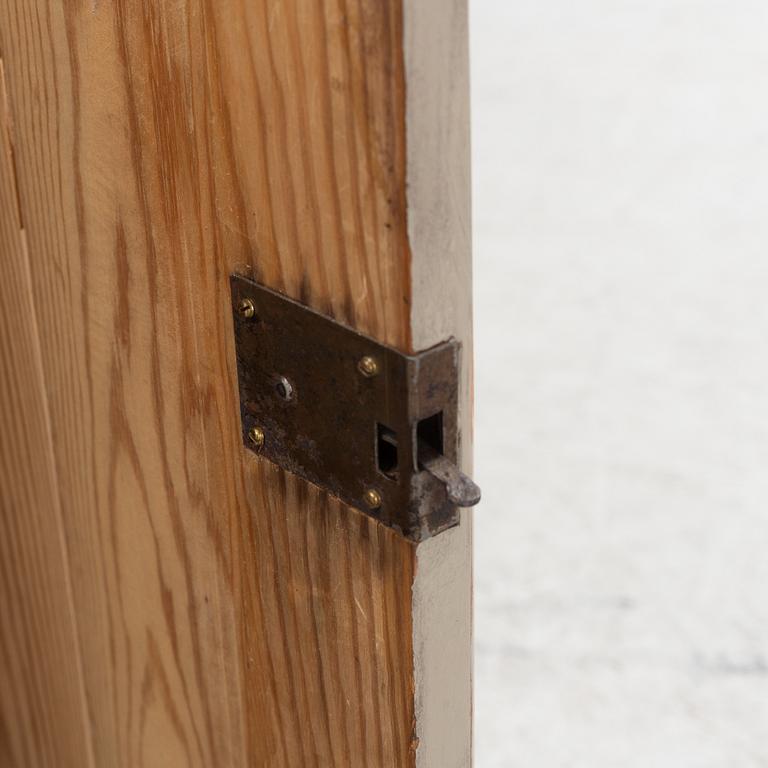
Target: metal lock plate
(361,420)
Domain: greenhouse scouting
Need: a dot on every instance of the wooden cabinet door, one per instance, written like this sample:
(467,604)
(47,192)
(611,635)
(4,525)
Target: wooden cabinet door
(167,597)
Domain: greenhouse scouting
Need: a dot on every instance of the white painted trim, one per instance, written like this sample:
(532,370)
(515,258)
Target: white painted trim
(439,211)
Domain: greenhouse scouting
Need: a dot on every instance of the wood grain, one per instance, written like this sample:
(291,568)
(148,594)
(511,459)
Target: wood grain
(221,613)
(40,669)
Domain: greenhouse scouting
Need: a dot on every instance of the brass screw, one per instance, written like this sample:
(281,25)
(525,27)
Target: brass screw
(256,436)
(372,498)
(368,366)
(246,309)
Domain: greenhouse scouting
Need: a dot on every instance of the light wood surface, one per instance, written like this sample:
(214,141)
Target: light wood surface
(168,599)
(439,229)
(40,676)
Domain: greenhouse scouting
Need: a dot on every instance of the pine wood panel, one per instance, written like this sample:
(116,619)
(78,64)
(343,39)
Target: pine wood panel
(39,669)
(225,614)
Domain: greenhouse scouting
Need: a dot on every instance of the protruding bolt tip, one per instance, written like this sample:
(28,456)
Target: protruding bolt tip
(256,436)
(246,309)
(368,366)
(372,498)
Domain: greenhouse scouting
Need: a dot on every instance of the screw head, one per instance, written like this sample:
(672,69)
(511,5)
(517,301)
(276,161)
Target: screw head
(368,366)
(246,308)
(372,498)
(257,437)
(284,389)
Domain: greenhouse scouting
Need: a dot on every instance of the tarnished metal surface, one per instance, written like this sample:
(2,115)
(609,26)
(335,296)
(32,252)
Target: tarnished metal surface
(347,413)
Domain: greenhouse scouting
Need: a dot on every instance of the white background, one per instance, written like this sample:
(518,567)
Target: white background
(621,254)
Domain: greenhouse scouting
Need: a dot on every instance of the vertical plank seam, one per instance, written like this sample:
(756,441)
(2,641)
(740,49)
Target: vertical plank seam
(38,362)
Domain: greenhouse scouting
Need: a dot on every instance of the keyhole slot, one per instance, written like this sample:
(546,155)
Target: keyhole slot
(430,432)
(386,451)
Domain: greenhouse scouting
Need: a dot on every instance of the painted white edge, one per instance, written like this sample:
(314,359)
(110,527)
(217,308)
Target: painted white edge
(436,43)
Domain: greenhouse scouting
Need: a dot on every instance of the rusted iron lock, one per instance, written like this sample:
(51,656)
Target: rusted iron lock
(359,419)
